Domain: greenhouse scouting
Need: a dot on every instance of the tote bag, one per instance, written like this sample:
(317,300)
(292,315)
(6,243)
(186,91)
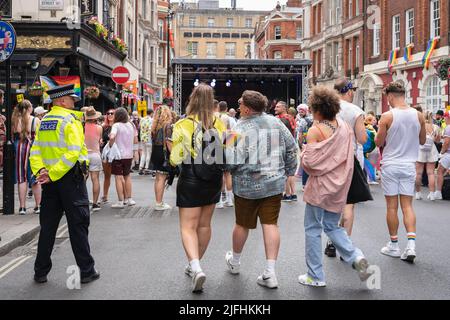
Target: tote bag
(359,188)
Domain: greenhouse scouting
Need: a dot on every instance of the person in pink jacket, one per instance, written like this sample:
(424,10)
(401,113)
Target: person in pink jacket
(328,160)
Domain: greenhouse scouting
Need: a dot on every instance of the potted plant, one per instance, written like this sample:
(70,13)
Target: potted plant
(36,90)
(119,44)
(442,68)
(92,92)
(99,28)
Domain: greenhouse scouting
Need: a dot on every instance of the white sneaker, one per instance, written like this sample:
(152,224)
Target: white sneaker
(409,255)
(418,196)
(391,250)
(431,196)
(198,279)
(118,205)
(188,271)
(162,206)
(234,268)
(438,195)
(361,265)
(219,205)
(268,280)
(130,202)
(229,203)
(306,280)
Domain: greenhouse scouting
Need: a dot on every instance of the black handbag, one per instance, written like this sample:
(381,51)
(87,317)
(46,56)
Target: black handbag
(359,188)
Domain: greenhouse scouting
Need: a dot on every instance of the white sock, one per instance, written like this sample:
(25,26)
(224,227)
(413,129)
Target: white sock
(230,196)
(270,267)
(195,265)
(411,244)
(236,258)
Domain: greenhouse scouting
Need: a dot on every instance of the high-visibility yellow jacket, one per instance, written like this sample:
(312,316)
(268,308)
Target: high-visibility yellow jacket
(59,143)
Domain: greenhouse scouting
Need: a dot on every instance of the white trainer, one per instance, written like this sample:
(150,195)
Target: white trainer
(306,280)
(198,279)
(361,265)
(118,205)
(418,196)
(391,250)
(219,205)
(162,207)
(188,270)
(268,280)
(229,203)
(438,195)
(408,255)
(130,202)
(234,268)
(431,196)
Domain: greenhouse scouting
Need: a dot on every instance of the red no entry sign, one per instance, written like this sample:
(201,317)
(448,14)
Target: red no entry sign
(120,75)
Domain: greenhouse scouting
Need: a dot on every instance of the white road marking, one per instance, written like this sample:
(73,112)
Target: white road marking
(13,265)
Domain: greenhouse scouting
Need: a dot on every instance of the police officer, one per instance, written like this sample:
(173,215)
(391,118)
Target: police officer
(59,160)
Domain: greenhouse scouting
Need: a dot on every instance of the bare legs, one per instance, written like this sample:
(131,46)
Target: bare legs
(409,217)
(160,183)
(107,181)
(195,226)
(95,185)
(271,236)
(347,218)
(430,173)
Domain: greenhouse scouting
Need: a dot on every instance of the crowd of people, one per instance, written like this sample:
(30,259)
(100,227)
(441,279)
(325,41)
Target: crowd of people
(255,155)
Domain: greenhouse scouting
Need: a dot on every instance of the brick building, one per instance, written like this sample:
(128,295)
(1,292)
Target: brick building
(402,23)
(279,35)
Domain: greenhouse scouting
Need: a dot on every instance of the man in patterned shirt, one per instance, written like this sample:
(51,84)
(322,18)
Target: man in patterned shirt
(146,139)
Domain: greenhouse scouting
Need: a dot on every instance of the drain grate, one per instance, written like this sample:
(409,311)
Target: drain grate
(142,212)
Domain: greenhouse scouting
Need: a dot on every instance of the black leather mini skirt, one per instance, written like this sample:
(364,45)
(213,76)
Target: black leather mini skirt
(193,192)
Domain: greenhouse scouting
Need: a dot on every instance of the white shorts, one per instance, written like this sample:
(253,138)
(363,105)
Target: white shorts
(136,147)
(428,156)
(398,180)
(445,161)
(95,162)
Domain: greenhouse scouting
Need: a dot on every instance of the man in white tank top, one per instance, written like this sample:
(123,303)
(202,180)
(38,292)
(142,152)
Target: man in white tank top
(400,133)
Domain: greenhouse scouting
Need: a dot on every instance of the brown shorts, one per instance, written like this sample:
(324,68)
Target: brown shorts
(248,211)
(121,167)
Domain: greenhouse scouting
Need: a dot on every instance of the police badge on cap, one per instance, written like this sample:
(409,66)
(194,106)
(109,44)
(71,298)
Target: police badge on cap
(62,91)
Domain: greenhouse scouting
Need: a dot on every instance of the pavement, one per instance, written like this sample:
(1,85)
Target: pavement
(140,256)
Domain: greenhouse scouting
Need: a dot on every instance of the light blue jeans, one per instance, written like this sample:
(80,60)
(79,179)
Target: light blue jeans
(316,220)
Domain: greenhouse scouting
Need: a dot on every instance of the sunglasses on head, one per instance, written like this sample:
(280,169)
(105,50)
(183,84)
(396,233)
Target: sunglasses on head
(110,113)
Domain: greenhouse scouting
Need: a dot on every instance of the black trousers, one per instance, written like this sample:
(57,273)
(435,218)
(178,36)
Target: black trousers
(68,195)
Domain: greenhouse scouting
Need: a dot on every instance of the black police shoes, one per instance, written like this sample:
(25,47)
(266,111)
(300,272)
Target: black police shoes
(94,276)
(40,279)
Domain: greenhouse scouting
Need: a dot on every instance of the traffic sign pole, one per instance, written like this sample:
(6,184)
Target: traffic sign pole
(8,158)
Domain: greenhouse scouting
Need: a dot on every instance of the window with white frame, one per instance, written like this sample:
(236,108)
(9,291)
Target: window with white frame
(396,31)
(152,63)
(338,11)
(357,54)
(161,29)
(211,22)
(336,56)
(248,22)
(161,57)
(435,19)
(433,99)
(230,22)
(329,54)
(211,50)
(299,32)
(230,50)
(350,55)
(409,26)
(192,21)
(192,48)
(350,9)
(144,9)
(277,32)
(277,55)
(356,7)
(376,39)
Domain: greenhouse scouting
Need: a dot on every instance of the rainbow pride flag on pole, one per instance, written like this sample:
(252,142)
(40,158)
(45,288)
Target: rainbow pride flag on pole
(408,53)
(392,60)
(430,48)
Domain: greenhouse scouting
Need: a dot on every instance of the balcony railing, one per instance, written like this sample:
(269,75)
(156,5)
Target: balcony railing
(5,8)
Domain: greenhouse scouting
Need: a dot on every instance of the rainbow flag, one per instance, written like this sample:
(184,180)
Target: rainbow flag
(75,80)
(430,48)
(47,83)
(408,53)
(392,60)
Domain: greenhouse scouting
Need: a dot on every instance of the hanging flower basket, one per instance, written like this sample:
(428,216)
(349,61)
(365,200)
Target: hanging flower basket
(92,92)
(36,90)
(442,68)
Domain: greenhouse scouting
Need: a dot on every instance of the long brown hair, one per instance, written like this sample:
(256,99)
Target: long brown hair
(163,117)
(20,118)
(108,123)
(201,104)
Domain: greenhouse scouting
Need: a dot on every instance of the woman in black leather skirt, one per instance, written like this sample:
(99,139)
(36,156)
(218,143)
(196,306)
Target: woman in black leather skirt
(197,193)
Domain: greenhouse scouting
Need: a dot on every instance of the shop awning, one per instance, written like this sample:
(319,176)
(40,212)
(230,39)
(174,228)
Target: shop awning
(99,69)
